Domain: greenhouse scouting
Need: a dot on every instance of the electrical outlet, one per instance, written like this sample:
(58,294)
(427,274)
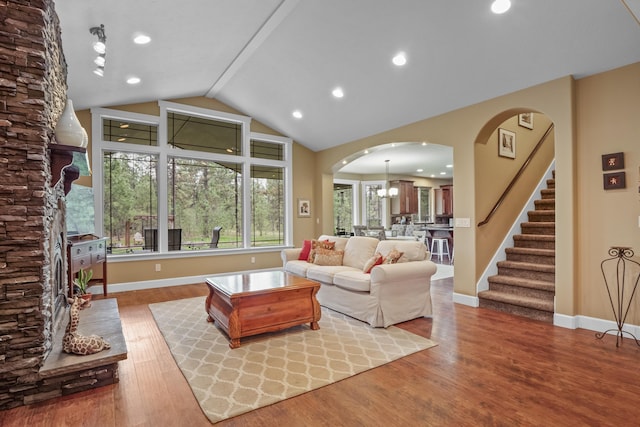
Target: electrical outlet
(253,260)
(158,267)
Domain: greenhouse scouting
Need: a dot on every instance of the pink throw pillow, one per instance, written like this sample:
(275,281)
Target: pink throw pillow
(306,248)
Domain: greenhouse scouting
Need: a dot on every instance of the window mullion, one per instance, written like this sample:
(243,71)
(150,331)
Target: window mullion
(163,185)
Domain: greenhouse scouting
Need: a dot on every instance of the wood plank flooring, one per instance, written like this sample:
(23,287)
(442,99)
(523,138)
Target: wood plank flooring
(489,369)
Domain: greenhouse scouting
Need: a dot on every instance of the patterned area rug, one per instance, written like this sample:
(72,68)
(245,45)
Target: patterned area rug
(272,367)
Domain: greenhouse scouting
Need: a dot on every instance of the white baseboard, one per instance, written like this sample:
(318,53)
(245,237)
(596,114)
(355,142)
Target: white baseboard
(162,283)
(469,300)
(593,324)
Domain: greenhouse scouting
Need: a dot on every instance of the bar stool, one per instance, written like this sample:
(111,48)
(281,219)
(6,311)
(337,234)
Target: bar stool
(442,248)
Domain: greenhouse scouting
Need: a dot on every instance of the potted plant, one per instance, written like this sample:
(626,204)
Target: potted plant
(81,283)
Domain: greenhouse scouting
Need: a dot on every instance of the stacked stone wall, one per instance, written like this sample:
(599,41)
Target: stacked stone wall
(32,96)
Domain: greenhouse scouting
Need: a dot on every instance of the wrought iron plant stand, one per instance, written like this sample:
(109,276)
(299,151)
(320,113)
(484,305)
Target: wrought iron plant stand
(625,283)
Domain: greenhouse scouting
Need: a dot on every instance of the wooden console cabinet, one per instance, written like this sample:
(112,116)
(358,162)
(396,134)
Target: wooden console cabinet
(87,252)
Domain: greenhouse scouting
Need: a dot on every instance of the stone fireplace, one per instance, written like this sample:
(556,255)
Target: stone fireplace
(33,270)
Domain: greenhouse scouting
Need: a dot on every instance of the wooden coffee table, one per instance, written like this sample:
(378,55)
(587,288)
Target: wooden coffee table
(254,303)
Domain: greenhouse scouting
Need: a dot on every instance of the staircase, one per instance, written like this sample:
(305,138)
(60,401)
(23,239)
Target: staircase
(525,283)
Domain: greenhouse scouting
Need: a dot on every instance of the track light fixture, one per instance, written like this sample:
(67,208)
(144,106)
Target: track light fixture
(100,47)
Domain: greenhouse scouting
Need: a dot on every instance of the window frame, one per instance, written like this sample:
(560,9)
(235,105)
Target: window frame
(164,151)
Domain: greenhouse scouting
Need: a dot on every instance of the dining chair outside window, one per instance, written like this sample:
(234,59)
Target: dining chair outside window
(215,237)
(359,230)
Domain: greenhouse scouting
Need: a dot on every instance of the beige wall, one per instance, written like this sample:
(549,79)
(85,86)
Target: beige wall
(608,121)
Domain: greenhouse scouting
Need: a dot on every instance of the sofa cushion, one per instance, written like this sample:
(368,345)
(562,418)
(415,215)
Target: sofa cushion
(297,267)
(324,273)
(315,244)
(372,262)
(392,257)
(353,280)
(358,250)
(340,242)
(306,248)
(413,250)
(328,257)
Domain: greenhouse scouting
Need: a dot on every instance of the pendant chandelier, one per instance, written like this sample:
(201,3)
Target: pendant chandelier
(392,191)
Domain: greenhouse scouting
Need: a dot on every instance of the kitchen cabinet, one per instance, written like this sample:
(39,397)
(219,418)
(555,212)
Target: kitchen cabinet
(447,199)
(406,202)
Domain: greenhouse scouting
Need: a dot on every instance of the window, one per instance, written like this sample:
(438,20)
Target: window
(344,205)
(374,210)
(192,179)
(424,204)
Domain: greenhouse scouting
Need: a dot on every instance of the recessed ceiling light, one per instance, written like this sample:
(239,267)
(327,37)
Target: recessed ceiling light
(99,71)
(366,151)
(337,92)
(124,125)
(133,80)
(424,143)
(400,59)
(443,173)
(449,166)
(344,162)
(297,114)
(122,139)
(99,61)
(141,39)
(419,170)
(500,6)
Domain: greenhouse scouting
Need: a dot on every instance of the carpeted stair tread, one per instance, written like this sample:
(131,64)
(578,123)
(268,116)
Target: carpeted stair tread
(518,300)
(543,215)
(545,204)
(548,193)
(538,237)
(540,224)
(538,227)
(532,255)
(532,251)
(519,265)
(523,283)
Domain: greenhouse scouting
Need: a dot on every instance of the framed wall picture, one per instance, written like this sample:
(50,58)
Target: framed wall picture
(506,143)
(614,180)
(526,120)
(304,208)
(612,162)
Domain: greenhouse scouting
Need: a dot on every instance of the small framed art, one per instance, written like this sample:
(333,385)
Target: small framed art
(506,143)
(614,180)
(612,162)
(304,208)
(526,120)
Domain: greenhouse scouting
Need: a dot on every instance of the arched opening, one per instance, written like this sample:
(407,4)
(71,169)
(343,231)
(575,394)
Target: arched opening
(515,248)
(420,172)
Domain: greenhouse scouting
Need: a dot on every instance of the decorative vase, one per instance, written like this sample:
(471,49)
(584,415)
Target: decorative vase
(68,130)
(85,138)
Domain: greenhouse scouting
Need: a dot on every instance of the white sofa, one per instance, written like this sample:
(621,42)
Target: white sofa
(390,294)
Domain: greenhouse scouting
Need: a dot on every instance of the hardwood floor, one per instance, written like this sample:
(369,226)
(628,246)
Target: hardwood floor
(489,369)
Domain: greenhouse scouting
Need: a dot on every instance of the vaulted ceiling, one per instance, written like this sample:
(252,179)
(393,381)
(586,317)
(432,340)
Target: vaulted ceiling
(268,58)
